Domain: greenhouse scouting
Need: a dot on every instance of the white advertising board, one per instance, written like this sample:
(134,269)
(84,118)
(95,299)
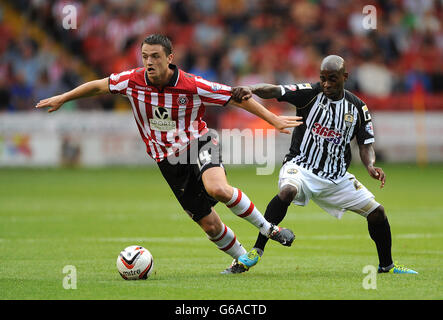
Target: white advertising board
(105,138)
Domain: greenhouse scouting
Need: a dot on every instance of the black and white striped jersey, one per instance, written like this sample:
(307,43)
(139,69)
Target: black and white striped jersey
(322,143)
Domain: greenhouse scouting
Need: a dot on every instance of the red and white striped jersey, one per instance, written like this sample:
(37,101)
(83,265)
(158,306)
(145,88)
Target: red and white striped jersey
(170,118)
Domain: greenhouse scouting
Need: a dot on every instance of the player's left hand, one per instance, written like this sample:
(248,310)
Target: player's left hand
(377,173)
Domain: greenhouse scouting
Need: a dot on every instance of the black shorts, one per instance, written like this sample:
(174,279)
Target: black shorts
(184,175)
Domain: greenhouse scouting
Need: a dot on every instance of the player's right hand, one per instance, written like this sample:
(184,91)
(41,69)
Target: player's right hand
(241,93)
(284,122)
(54,103)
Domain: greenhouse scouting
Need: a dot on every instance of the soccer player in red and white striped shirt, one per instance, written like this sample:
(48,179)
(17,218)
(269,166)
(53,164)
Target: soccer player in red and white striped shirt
(168,105)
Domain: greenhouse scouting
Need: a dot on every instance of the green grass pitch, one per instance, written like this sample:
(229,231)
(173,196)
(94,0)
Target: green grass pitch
(50,218)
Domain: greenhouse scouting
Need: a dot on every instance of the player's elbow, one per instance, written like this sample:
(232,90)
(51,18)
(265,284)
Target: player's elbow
(102,86)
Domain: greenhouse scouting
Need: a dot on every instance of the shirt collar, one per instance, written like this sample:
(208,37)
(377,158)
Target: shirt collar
(337,101)
(172,82)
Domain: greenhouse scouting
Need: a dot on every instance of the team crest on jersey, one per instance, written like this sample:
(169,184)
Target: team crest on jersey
(161,120)
(349,119)
(182,101)
(292,171)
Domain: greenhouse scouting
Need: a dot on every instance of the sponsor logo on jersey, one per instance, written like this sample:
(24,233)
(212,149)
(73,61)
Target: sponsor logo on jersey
(142,88)
(162,120)
(326,133)
(161,113)
(215,86)
(366,113)
(292,171)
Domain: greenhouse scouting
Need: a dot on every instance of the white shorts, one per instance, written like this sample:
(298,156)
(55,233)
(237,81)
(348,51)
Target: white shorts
(333,197)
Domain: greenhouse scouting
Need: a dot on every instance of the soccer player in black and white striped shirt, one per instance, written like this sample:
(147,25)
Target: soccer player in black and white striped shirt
(320,154)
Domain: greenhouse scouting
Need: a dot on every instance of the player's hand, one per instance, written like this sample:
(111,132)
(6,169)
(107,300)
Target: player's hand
(241,93)
(377,173)
(54,103)
(284,122)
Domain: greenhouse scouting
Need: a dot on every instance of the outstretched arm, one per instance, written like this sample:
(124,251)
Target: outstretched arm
(367,156)
(263,90)
(88,89)
(279,122)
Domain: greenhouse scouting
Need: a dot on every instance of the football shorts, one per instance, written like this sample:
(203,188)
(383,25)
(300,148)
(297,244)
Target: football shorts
(335,197)
(184,176)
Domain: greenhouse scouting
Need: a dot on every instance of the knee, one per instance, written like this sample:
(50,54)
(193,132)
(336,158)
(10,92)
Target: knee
(212,230)
(220,192)
(287,193)
(212,227)
(377,216)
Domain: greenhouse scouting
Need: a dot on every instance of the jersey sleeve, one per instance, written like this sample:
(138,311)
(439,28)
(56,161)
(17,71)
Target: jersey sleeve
(365,130)
(213,92)
(299,94)
(118,82)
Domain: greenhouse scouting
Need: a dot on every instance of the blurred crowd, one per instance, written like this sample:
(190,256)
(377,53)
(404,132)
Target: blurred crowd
(228,41)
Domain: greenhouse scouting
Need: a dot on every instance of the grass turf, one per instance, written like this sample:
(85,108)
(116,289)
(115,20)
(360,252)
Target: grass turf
(50,218)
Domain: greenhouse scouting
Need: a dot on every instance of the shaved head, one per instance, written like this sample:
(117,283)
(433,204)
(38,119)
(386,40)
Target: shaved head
(333,76)
(333,63)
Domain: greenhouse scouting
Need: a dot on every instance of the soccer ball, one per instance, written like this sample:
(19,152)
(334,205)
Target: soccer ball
(135,263)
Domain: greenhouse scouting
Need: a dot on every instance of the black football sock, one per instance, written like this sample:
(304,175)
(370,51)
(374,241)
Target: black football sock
(381,234)
(275,212)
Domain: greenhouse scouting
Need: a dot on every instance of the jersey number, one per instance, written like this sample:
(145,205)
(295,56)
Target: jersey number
(205,157)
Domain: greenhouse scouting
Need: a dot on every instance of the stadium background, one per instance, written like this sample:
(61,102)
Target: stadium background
(396,68)
(52,218)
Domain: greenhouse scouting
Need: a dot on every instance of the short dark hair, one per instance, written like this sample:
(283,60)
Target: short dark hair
(161,40)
